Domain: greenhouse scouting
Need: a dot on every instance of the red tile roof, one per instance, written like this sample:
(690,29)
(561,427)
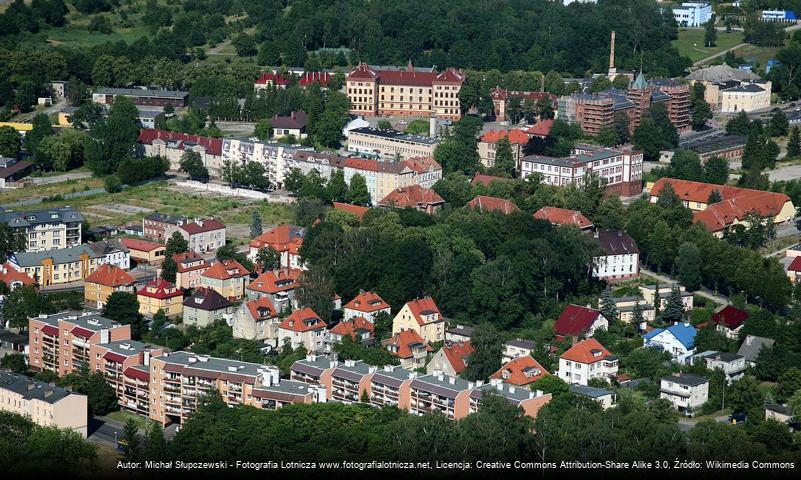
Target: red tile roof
(303,320)
(261,308)
(110,276)
(226,270)
(413,196)
(498,93)
(367,302)
(213,146)
(483,203)
(273,78)
(795,265)
(422,164)
(521,371)
(357,210)
(362,72)
(282,238)
(140,245)
(160,289)
(575,320)
(405,340)
(515,136)
(450,75)
(587,352)
(207,225)
(563,216)
(457,353)
(423,306)
(9,275)
(486,180)
(275,281)
(730,317)
(315,77)
(407,77)
(541,129)
(350,326)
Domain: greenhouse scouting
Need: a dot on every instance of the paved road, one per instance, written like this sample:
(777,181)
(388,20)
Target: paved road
(104,431)
(687,424)
(717,298)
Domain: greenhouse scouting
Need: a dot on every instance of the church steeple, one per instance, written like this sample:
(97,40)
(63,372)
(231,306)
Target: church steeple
(640,83)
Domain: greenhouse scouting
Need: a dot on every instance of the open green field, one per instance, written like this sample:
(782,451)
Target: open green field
(755,54)
(79,36)
(691,43)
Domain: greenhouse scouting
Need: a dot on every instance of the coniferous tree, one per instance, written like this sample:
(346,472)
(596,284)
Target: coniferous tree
(255,224)
(132,439)
(637,317)
(794,143)
(504,160)
(608,308)
(169,269)
(714,197)
(674,308)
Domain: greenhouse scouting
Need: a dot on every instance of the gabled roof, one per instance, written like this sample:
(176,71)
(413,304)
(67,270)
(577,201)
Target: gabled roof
(421,164)
(423,306)
(353,326)
(275,281)
(514,135)
(587,351)
(413,196)
(683,332)
(160,289)
(226,270)
(752,345)
(282,238)
(521,371)
(273,78)
(405,341)
(10,275)
(575,320)
(180,140)
(295,120)
(185,260)
(457,353)
(563,216)
(539,129)
(357,210)
(617,242)
(367,302)
(110,276)
(201,226)
(315,77)
(486,180)
(303,320)
(207,299)
(483,203)
(261,309)
(795,265)
(729,316)
(362,72)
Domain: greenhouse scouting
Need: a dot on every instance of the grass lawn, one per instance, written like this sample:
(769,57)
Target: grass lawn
(50,190)
(691,43)
(82,37)
(755,54)
(123,417)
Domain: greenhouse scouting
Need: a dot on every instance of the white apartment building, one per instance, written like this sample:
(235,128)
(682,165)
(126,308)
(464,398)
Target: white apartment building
(687,392)
(620,259)
(732,365)
(46,229)
(586,360)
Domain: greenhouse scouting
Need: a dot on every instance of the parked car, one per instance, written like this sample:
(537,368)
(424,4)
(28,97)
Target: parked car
(737,417)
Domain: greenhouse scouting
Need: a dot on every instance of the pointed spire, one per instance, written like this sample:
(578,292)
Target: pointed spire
(640,83)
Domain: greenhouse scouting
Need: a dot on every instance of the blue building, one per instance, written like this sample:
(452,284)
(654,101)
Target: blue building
(779,16)
(678,341)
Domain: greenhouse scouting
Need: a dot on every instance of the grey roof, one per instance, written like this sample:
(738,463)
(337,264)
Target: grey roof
(392,375)
(312,365)
(26,218)
(140,92)
(782,409)
(591,392)
(106,247)
(172,219)
(463,330)
(522,343)
(513,393)
(31,389)
(59,256)
(91,320)
(746,88)
(710,143)
(290,387)
(721,73)
(752,345)
(353,372)
(211,364)
(433,384)
(395,135)
(128,347)
(686,379)
(721,356)
(8,336)
(207,299)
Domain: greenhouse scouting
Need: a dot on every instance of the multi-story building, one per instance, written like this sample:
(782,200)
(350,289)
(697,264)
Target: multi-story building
(113,252)
(350,381)
(114,359)
(104,281)
(732,90)
(620,259)
(501,97)
(205,307)
(621,169)
(144,251)
(46,229)
(274,157)
(419,198)
(203,235)
(409,347)
(389,386)
(303,327)
(423,317)
(172,145)
(692,14)
(227,277)
(190,268)
(55,267)
(257,320)
(516,348)
(390,144)
(159,294)
(285,239)
(677,340)
(521,397)
(366,305)
(61,343)
(409,92)
(179,379)
(141,96)
(687,392)
(586,360)
(314,370)
(488,142)
(159,227)
(732,365)
(44,404)
(440,393)
(660,293)
(278,286)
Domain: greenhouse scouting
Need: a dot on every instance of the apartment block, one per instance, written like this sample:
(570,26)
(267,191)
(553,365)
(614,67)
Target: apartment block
(390,386)
(530,401)
(62,342)
(46,229)
(115,360)
(44,404)
(350,381)
(315,370)
(390,144)
(440,393)
(172,145)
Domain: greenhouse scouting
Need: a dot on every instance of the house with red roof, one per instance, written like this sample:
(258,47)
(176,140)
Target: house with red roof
(521,371)
(143,251)
(269,80)
(13,278)
(278,285)
(203,235)
(172,145)
(422,316)
(735,203)
(321,78)
(285,239)
(488,142)
(303,327)
(451,359)
(586,360)
(580,322)
(729,320)
(501,96)
(190,269)
(104,281)
(563,216)
(794,270)
(366,305)
(159,294)
(359,329)
(356,210)
(486,180)
(410,348)
(414,196)
(257,320)
(540,129)
(484,204)
(227,277)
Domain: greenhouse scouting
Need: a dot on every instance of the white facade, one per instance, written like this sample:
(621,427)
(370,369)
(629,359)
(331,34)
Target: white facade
(666,341)
(614,166)
(312,340)
(685,392)
(692,14)
(581,373)
(613,266)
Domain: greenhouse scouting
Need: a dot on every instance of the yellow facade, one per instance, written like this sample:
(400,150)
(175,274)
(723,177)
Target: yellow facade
(172,306)
(431,331)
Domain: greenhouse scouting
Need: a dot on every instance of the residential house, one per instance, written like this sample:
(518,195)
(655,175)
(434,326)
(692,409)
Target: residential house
(303,327)
(586,360)
(257,320)
(56,267)
(523,398)
(205,307)
(173,145)
(359,329)
(321,78)
(13,278)
(606,398)
(794,270)
(104,281)
(541,129)
(459,333)
(12,170)
(729,320)
(563,216)
(423,317)
(484,204)
(278,286)
(390,386)
(190,269)
(521,371)
(228,277)
(366,305)
(113,359)
(620,259)
(294,124)
(356,210)
(780,413)
(203,235)
(451,359)
(159,294)
(732,365)
(687,392)
(284,239)
(578,321)
(60,343)
(112,252)
(414,196)
(143,251)
(156,226)
(270,80)
(626,305)
(752,346)
(44,404)
(488,143)
(518,347)
(409,347)
(46,229)
(677,340)
(487,180)
(663,291)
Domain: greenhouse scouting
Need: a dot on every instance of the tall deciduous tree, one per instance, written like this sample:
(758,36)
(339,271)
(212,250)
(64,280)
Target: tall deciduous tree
(123,307)
(357,190)
(486,359)
(688,265)
(794,143)
(504,160)
(176,244)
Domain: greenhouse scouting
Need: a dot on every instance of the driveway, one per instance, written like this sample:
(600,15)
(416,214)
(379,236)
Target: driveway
(703,292)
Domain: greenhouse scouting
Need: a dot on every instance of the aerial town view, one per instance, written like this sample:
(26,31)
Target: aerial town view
(243,237)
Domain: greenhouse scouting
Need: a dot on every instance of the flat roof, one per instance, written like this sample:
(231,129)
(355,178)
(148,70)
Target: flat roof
(141,92)
(212,364)
(395,135)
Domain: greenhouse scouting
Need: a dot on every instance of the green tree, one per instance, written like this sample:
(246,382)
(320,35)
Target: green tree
(268,259)
(23,303)
(316,291)
(11,240)
(744,396)
(621,82)
(255,224)
(41,129)
(794,143)
(608,136)
(779,125)
(132,440)
(384,125)
(100,395)
(486,358)
(245,45)
(112,140)
(62,152)
(9,142)
(176,244)
(264,130)
(14,362)
(358,194)
(716,170)
(192,164)
(710,33)
(714,197)
(739,124)
(169,269)
(789,382)
(700,110)
(337,189)
(674,308)
(688,265)
(155,445)
(123,307)
(608,307)
(504,160)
